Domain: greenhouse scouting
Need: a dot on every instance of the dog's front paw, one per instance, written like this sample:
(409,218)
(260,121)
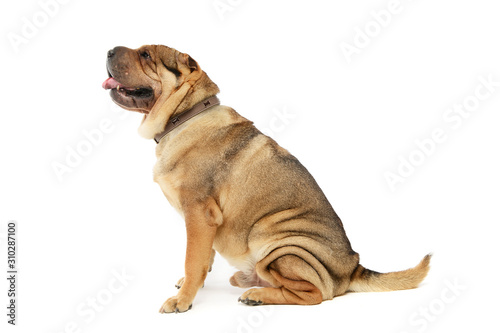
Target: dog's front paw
(176,304)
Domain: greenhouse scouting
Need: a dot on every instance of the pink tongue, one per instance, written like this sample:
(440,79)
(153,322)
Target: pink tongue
(110,83)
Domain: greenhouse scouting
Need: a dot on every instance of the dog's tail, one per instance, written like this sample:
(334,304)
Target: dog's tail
(363,279)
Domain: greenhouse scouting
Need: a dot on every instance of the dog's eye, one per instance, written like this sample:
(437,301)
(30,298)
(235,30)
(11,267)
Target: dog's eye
(145,55)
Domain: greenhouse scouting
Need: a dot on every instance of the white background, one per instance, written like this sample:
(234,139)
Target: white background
(352,121)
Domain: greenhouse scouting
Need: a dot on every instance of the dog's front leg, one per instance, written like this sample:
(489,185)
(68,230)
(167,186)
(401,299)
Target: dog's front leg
(202,220)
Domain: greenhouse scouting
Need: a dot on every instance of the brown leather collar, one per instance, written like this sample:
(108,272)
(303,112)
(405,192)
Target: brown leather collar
(186,115)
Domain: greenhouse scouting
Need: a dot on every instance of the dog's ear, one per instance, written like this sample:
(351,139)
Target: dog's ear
(186,60)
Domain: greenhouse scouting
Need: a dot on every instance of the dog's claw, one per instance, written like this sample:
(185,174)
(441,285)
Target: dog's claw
(189,308)
(248,301)
(179,284)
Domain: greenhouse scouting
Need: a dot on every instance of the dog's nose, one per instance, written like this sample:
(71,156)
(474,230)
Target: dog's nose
(117,52)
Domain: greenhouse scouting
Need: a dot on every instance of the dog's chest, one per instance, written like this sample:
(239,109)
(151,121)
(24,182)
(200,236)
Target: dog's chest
(169,181)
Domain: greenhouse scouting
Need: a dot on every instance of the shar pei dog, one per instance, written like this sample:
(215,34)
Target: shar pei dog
(239,192)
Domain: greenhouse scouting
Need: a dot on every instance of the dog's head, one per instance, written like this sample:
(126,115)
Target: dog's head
(155,80)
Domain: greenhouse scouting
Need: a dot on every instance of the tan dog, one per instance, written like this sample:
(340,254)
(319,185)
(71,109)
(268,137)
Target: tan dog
(240,193)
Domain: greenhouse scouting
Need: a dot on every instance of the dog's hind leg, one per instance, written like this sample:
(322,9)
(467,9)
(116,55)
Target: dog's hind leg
(291,275)
(242,280)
